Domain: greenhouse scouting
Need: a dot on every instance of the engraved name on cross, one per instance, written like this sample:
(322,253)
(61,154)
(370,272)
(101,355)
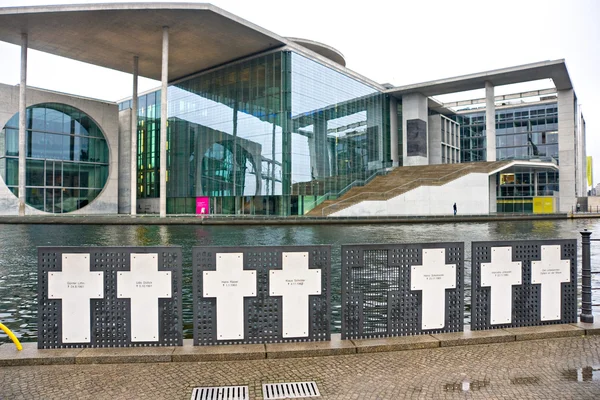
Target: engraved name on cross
(433,278)
(230,284)
(550,272)
(75,286)
(144,284)
(295,282)
(500,275)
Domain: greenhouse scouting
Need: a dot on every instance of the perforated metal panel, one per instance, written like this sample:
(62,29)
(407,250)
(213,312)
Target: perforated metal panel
(377,299)
(262,313)
(526,298)
(110,316)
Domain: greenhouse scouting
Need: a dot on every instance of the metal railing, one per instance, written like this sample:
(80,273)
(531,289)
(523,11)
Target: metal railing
(586,277)
(358,182)
(384,195)
(588,210)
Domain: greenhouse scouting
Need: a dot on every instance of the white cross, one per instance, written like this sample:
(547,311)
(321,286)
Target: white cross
(550,272)
(433,278)
(144,284)
(295,282)
(230,284)
(500,275)
(75,286)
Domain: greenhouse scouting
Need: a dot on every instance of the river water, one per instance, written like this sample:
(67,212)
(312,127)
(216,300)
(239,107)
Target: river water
(18,251)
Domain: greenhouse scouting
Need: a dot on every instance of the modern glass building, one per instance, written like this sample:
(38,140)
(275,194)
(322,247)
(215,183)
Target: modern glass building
(254,123)
(265,136)
(523,132)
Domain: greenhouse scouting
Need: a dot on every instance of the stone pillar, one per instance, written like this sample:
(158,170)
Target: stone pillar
(566,150)
(415,129)
(134,124)
(490,122)
(493,193)
(163,122)
(394,132)
(22,126)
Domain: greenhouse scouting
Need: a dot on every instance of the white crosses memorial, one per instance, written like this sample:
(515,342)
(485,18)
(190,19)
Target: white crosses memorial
(433,277)
(230,284)
(75,285)
(550,272)
(295,282)
(500,275)
(144,285)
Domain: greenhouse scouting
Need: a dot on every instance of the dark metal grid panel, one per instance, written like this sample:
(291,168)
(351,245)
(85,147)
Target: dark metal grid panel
(377,300)
(526,297)
(263,313)
(110,316)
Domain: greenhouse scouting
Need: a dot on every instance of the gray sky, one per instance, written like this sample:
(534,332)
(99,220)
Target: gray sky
(395,41)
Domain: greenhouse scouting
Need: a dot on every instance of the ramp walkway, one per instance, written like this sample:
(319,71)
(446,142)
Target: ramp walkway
(404,179)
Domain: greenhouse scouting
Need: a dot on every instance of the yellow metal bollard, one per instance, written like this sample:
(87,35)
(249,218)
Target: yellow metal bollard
(11,336)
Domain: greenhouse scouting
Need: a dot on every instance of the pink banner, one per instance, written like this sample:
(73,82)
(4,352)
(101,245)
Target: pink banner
(202,205)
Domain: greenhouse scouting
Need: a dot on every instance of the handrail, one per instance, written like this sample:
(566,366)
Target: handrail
(355,183)
(11,336)
(383,194)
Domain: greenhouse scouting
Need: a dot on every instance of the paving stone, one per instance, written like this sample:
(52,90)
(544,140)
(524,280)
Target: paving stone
(545,331)
(336,346)
(590,329)
(395,343)
(124,355)
(469,337)
(31,355)
(561,368)
(189,352)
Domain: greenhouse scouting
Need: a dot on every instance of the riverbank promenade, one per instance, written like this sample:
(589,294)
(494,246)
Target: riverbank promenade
(152,219)
(548,362)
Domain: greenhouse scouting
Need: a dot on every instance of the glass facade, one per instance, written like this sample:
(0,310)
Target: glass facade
(522,133)
(274,135)
(66,160)
(528,132)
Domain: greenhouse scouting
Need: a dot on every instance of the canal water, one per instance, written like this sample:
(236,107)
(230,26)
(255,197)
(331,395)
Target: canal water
(18,251)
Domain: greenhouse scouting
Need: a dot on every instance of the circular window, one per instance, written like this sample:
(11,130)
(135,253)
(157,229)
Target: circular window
(66,158)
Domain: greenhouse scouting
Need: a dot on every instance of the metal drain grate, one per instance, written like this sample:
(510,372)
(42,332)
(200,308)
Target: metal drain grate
(220,393)
(292,390)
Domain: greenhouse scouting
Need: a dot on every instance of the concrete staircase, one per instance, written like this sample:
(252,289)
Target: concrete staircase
(402,180)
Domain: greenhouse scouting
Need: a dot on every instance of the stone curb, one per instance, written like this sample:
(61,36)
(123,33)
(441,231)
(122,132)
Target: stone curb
(31,355)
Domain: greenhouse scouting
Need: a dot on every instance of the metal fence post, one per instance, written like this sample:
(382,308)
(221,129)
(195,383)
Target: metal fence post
(586,278)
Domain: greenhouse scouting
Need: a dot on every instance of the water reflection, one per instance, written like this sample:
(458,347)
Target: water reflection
(18,253)
(585,374)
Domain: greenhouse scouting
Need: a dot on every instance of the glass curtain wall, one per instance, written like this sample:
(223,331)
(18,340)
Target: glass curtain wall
(340,132)
(267,136)
(66,157)
(522,133)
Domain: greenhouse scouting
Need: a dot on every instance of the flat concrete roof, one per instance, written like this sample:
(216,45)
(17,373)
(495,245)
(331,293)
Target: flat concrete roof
(201,36)
(320,48)
(555,70)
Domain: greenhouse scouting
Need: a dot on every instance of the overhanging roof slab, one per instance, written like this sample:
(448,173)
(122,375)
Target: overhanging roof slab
(201,36)
(555,70)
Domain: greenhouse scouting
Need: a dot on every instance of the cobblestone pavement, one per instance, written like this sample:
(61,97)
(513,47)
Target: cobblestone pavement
(567,368)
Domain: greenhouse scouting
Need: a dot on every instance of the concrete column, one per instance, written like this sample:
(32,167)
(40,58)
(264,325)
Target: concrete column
(567,150)
(394,131)
(163,122)
(490,122)
(493,194)
(134,124)
(535,183)
(22,126)
(415,143)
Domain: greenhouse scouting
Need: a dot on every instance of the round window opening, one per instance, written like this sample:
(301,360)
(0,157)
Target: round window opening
(66,158)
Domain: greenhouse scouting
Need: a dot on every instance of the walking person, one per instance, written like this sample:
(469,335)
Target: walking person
(454,206)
